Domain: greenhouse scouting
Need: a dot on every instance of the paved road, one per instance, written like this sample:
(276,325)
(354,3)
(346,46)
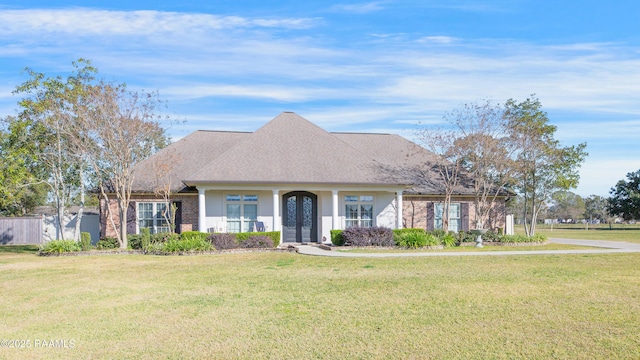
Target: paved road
(603,247)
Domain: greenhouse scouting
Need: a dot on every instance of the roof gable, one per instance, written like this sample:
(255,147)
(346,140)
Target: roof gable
(186,156)
(290,149)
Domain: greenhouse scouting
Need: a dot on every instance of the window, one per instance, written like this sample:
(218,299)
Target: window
(154,216)
(454,216)
(358,210)
(242,212)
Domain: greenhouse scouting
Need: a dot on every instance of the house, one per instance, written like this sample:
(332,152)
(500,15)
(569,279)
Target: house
(291,176)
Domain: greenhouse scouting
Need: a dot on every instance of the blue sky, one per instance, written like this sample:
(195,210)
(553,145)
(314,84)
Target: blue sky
(381,66)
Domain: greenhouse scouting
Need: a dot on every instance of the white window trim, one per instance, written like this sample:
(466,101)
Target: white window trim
(359,203)
(435,213)
(240,202)
(154,211)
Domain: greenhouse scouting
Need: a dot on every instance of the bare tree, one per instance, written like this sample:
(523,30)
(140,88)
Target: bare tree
(487,155)
(162,169)
(124,128)
(447,164)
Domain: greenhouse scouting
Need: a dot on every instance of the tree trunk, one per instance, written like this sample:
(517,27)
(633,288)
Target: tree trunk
(123,227)
(81,209)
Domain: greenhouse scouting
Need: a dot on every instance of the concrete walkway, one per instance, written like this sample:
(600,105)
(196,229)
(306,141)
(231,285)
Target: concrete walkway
(603,247)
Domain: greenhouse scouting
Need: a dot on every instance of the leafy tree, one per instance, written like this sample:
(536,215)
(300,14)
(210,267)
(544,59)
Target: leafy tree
(51,105)
(625,197)
(596,208)
(543,166)
(20,187)
(567,205)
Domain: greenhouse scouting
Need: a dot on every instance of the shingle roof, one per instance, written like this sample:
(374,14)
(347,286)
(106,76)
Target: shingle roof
(288,149)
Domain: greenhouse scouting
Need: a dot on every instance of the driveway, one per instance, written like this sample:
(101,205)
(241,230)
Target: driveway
(603,247)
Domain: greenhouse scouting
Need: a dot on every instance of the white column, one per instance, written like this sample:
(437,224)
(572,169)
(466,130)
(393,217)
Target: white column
(276,210)
(334,210)
(399,212)
(202,211)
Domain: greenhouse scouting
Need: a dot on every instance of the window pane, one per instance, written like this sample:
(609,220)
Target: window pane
(250,216)
(233,197)
(251,211)
(454,225)
(233,211)
(454,211)
(366,198)
(250,197)
(145,216)
(366,212)
(438,208)
(351,198)
(350,223)
(351,212)
(233,226)
(161,211)
(145,210)
(146,224)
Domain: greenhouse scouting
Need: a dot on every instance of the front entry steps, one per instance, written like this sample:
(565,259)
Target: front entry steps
(292,245)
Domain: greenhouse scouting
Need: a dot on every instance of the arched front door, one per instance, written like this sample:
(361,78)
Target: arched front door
(300,217)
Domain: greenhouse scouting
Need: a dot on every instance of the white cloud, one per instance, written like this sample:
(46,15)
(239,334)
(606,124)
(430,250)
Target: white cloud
(88,22)
(437,39)
(361,8)
(280,93)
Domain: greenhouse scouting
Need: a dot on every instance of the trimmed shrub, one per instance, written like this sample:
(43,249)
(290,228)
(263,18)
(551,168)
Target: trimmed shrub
(449,240)
(222,241)
(432,240)
(491,236)
(538,238)
(163,237)
(85,241)
(336,237)
(192,234)
(439,233)
(399,233)
(372,236)
(464,236)
(108,243)
(60,246)
(193,243)
(257,242)
(412,239)
(134,241)
(274,235)
(145,238)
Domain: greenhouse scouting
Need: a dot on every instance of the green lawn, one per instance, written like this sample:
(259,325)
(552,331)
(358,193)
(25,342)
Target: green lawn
(617,232)
(487,248)
(289,306)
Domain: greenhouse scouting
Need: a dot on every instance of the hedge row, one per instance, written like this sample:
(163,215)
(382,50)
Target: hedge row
(170,242)
(418,238)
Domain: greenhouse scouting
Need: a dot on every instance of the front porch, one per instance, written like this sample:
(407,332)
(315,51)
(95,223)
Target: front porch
(306,215)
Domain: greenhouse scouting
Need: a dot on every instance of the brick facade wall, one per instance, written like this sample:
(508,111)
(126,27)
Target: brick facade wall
(189,213)
(415,212)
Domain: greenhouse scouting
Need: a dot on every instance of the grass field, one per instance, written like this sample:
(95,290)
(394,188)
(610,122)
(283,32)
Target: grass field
(617,232)
(289,306)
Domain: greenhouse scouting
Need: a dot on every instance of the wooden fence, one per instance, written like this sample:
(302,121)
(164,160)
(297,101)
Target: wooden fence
(21,231)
